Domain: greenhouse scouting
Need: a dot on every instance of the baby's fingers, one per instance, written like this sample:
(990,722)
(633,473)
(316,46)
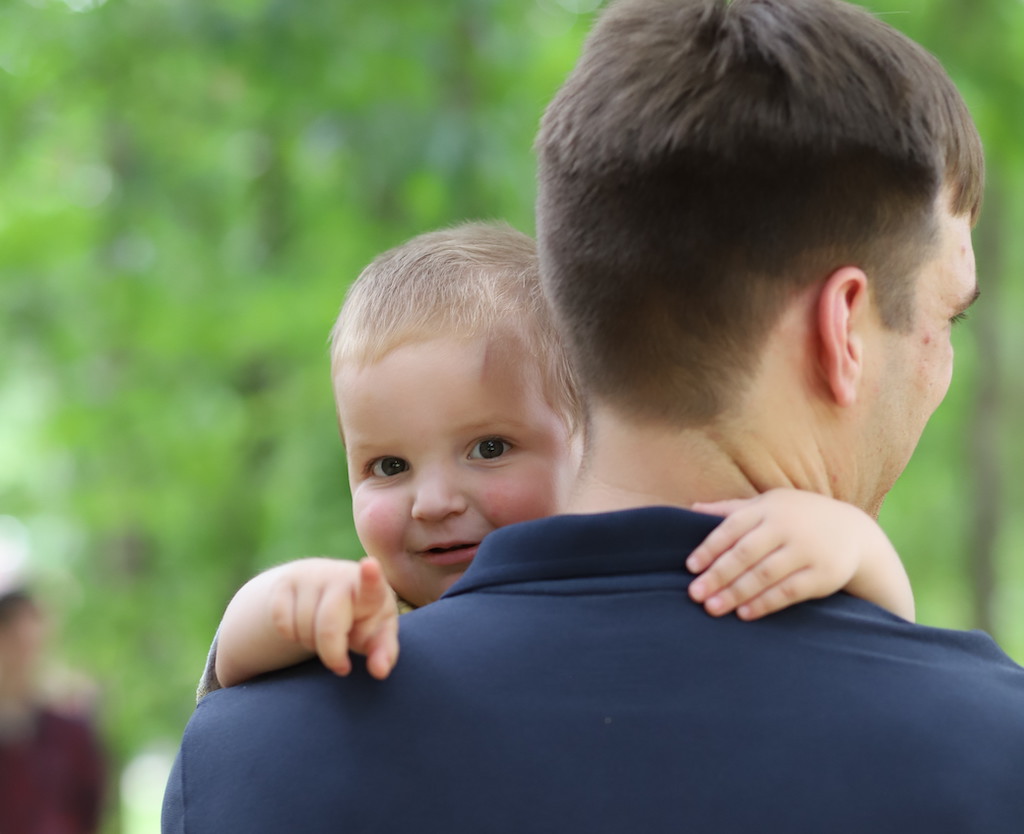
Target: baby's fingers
(791,590)
(375,621)
(381,649)
(720,540)
(781,576)
(742,559)
(331,627)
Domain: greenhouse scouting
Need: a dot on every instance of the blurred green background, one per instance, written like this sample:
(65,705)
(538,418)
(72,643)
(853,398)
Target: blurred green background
(186,189)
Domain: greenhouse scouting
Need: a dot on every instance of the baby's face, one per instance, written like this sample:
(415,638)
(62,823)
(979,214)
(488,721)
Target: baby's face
(447,440)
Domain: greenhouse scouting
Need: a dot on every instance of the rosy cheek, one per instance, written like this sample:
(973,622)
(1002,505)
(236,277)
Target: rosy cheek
(520,499)
(377,522)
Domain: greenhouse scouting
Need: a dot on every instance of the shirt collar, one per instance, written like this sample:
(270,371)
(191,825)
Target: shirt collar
(560,547)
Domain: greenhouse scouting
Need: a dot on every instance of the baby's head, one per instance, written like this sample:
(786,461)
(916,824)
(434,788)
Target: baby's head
(456,401)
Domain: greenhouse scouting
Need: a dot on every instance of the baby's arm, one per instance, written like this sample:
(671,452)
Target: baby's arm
(309,607)
(786,546)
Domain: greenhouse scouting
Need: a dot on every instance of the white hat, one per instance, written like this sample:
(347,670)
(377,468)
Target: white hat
(13,555)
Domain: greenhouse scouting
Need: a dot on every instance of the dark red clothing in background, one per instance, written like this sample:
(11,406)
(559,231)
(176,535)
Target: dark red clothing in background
(51,782)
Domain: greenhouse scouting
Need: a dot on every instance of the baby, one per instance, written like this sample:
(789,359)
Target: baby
(459,414)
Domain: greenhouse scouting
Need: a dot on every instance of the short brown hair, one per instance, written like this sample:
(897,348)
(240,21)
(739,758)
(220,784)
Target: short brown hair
(476,279)
(706,159)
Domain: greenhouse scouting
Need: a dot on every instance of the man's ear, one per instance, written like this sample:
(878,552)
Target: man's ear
(843,306)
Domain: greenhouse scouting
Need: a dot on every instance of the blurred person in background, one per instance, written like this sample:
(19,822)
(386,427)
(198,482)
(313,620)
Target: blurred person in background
(51,763)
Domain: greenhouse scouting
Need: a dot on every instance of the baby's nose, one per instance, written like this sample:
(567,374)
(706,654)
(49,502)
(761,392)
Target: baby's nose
(437,497)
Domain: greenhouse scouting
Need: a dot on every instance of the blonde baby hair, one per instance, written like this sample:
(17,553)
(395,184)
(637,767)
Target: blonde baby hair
(472,280)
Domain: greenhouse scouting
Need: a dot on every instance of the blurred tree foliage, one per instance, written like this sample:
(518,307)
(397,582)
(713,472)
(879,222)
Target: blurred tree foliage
(187,187)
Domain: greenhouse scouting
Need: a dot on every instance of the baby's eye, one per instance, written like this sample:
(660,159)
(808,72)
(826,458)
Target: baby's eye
(491,447)
(386,467)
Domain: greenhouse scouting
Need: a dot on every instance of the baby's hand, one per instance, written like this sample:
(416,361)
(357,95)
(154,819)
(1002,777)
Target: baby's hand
(786,546)
(332,606)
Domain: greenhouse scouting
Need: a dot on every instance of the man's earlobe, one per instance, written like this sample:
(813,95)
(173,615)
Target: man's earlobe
(841,307)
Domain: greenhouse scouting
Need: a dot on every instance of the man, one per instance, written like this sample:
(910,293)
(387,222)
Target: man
(52,769)
(754,220)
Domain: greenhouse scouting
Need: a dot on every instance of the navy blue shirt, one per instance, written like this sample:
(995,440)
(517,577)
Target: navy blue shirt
(567,683)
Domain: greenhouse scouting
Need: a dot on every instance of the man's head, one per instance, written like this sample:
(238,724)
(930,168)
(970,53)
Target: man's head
(708,162)
(22,638)
(455,400)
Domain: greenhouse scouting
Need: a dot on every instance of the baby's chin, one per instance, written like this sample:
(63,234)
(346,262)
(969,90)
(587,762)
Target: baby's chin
(445,582)
(429,591)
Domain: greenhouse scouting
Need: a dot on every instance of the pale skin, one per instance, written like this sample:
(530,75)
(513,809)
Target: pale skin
(768,554)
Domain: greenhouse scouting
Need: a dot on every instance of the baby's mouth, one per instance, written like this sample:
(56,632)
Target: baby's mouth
(453,554)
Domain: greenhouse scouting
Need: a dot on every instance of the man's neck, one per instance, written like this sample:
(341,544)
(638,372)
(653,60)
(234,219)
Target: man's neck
(631,464)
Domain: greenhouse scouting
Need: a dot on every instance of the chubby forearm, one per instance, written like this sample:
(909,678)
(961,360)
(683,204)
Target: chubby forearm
(249,643)
(881,577)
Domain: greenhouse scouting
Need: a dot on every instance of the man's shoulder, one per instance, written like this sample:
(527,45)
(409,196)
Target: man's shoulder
(270,691)
(302,708)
